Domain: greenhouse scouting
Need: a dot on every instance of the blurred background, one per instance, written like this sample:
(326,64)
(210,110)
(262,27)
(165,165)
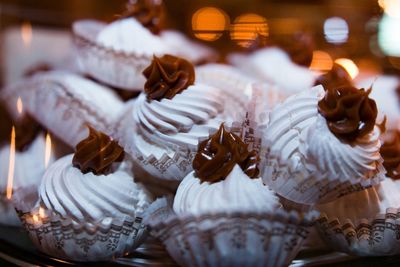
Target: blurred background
(365,31)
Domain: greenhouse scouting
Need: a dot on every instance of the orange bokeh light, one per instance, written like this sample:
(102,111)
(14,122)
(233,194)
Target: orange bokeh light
(321,61)
(209,23)
(247,28)
(349,66)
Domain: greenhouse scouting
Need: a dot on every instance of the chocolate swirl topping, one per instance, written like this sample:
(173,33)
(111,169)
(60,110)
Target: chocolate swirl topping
(148,12)
(349,112)
(167,76)
(390,151)
(26,130)
(217,156)
(336,77)
(97,153)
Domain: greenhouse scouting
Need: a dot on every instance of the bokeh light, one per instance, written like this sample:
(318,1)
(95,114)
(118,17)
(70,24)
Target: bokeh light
(246,28)
(391,7)
(209,23)
(389,35)
(321,61)
(349,66)
(336,30)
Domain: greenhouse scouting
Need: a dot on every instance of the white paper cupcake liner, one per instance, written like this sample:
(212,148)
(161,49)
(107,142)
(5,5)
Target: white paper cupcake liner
(68,239)
(377,237)
(297,188)
(116,68)
(236,239)
(54,105)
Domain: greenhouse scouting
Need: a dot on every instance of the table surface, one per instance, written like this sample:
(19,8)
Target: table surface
(17,249)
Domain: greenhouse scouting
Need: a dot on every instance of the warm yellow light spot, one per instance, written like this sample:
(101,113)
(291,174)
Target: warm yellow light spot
(11,165)
(391,7)
(321,61)
(20,106)
(35,218)
(47,152)
(41,213)
(26,33)
(349,66)
(209,23)
(246,28)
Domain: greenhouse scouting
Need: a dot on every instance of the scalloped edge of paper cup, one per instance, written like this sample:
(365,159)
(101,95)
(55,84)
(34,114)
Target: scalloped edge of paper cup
(68,239)
(236,239)
(116,68)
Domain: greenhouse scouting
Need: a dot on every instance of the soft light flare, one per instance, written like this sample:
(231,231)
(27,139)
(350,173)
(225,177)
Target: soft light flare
(247,28)
(41,213)
(47,152)
(209,23)
(11,165)
(20,106)
(336,30)
(349,66)
(26,33)
(321,61)
(391,7)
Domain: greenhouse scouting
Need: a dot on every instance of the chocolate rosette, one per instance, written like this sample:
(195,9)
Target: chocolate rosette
(97,153)
(167,76)
(217,156)
(148,12)
(336,77)
(349,112)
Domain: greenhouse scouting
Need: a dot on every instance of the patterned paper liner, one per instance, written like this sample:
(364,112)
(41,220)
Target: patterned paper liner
(369,237)
(229,239)
(116,68)
(51,103)
(67,239)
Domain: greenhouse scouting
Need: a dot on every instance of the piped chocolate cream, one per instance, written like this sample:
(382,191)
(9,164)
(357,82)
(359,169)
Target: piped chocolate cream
(26,130)
(217,156)
(148,12)
(167,76)
(97,153)
(390,151)
(349,112)
(336,77)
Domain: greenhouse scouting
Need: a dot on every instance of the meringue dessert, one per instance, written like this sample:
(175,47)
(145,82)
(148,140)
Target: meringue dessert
(93,189)
(170,118)
(321,145)
(65,103)
(225,180)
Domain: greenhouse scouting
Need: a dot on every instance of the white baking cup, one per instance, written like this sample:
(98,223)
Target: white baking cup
(229,239)
(64,107)
(116,68)
(68,239)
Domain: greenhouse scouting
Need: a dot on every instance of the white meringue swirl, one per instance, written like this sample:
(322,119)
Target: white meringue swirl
(234,194)
(182,120)
(69,193)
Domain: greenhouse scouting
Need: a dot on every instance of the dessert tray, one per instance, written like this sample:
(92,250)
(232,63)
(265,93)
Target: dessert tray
(16,248)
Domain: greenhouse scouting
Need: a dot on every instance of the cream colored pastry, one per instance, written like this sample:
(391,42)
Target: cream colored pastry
(237,193)
(86,198)
(302,150)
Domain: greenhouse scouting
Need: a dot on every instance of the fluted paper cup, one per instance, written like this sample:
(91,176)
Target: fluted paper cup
(63,108)
(229,239)
(116,68)
(67,239)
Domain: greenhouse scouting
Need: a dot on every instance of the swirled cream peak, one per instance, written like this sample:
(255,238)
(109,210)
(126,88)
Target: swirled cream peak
(97,153)
(217,156)
(349,112)
(167,76)
(148,12)
(390,151)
